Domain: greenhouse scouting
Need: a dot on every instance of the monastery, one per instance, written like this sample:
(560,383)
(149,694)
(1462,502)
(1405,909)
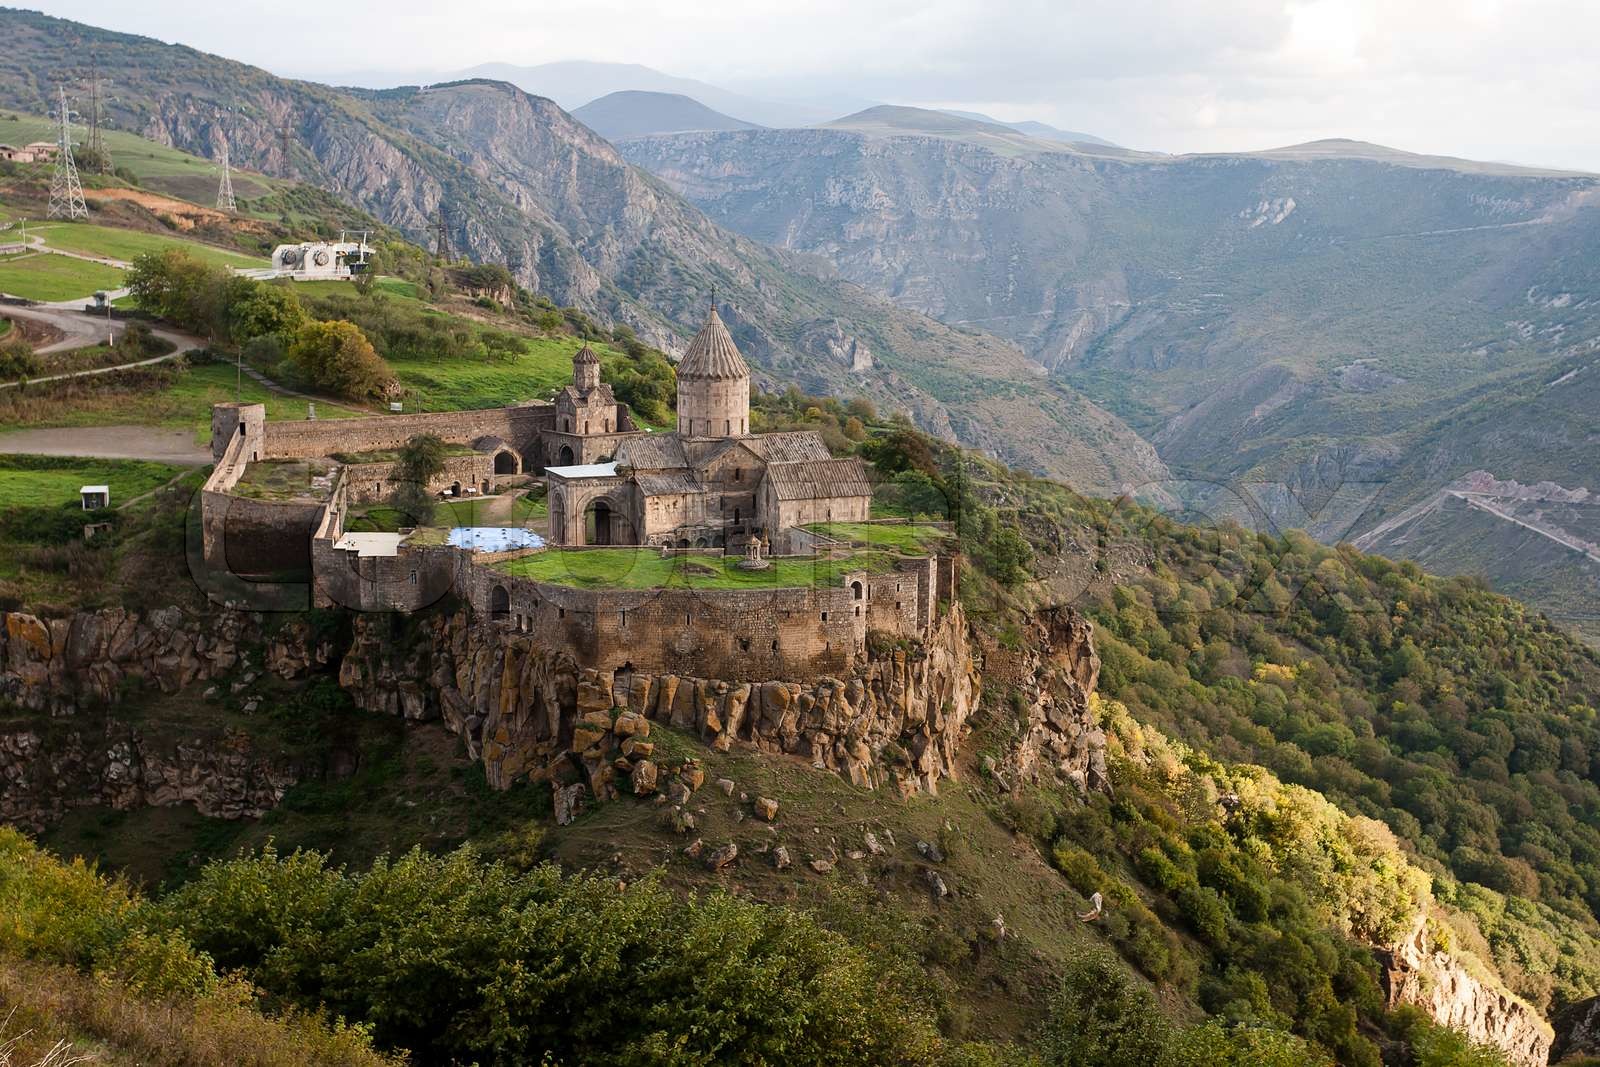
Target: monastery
(758,574)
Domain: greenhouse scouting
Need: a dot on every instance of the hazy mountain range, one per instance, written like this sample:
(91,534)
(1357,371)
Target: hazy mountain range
(1337,336)
(1278,324)
(632,113)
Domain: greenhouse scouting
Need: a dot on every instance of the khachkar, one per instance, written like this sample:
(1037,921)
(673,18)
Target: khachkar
(66,192)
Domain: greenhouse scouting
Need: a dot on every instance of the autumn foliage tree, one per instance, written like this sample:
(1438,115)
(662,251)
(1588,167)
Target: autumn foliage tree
(337,357)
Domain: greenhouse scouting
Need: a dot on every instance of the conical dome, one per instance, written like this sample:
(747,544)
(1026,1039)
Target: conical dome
(585,355)
(712,355)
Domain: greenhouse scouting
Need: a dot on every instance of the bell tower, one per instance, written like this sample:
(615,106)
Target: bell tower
(585,370)
(713,384)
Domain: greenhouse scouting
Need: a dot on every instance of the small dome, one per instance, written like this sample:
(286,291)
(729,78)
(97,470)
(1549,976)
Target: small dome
(712,354)
(585,355)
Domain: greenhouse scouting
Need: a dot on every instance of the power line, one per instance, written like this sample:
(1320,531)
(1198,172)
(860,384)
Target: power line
(66,192)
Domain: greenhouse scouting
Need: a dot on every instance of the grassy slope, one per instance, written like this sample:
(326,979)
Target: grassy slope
(180,399)
(52,278)
(645,568)
(45,481)
(114,243)
(158,167)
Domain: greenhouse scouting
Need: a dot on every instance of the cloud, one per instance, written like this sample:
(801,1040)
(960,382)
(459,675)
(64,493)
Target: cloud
(1497,79)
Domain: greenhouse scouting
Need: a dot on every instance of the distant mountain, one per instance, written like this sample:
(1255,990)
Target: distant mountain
(634,113)
(526,185)
(1036,129)
(575,83)
(1278,324)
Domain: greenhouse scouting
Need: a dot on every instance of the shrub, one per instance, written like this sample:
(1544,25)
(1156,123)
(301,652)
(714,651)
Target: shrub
(337,356)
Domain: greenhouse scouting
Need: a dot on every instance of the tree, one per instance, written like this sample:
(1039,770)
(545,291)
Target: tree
(421,460)
(256,310)
(1100,1017)
(336,356)
(176,286)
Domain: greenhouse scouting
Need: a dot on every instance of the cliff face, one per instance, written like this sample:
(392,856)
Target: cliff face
(103,762)
(1415,972)
(527,709)
(71,748)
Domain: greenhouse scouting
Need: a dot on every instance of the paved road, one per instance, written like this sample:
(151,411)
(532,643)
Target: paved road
(109,442)
(82,329)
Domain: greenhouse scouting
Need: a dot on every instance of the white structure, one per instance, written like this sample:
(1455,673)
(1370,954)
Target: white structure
(95,497)
(320,260)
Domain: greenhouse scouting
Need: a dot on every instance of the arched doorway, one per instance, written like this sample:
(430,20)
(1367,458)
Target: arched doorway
(455,488)
(597,524)
(499,602)
(564,458)
(505,463)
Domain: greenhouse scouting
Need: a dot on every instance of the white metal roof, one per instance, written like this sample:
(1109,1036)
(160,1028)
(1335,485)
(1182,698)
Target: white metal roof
(584,470)
(105,489)
(371,544)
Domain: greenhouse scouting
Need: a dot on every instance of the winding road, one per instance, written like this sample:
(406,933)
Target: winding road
(82,329)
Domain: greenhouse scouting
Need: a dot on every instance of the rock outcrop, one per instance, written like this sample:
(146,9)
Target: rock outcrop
(1417,972)
(527,709)
(115,764)
(1577,1031)
(90,659)
(1051,676)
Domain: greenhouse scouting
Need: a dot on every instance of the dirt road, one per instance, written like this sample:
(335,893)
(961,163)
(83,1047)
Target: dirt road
(109,442)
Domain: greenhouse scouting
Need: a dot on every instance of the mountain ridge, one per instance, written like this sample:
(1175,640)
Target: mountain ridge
(526,185)
(630,113)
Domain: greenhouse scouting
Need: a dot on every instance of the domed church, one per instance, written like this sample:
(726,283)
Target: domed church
(712,484)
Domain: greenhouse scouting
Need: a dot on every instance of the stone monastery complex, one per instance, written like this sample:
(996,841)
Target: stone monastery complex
(722,550)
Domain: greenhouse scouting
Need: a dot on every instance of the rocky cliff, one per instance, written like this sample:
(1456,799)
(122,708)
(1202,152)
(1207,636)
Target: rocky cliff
(527,709)
(1416,972)
(65,745)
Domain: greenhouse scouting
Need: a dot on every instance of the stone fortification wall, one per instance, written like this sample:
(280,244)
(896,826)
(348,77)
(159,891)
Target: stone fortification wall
(748,634)
(519,427)
(373,482)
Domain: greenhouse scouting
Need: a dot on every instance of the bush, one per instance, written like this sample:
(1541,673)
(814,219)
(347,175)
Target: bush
(1082,870)
(17,360)
(337,357)
(1100,1017)
(457,959)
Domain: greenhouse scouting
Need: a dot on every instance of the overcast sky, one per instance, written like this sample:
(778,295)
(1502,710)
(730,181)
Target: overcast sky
(1515,80)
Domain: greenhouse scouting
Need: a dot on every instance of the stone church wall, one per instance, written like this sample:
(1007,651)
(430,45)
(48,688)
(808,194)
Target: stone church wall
(520,427)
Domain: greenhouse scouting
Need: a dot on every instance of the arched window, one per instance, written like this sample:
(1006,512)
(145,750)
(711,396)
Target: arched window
(855,590)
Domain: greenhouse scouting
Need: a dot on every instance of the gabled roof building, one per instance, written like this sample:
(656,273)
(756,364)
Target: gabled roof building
(711,484)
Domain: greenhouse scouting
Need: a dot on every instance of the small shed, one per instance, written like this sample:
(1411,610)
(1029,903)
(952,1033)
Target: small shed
(95,497)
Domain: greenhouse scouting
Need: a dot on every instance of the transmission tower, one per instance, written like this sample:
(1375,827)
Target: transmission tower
(441,240)
(66,192)
(97,142)
(225,201)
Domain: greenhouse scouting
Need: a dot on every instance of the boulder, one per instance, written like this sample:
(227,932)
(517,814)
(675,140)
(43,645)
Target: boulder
(767,808)
(722,857)
(780,858)
(569,802)
(644,778)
